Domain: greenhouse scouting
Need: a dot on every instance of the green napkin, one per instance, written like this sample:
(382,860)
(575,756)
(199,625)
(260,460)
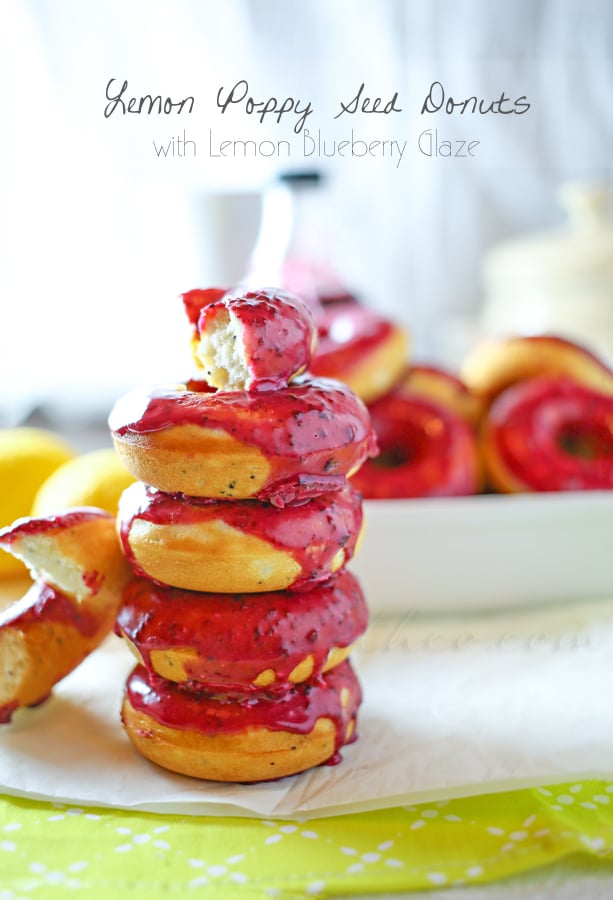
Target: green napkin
(54,851)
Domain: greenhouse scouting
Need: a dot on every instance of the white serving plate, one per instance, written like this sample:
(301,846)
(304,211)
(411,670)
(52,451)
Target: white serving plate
(486,552)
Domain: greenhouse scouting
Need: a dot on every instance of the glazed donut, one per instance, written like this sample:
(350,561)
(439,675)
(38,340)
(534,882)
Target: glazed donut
(279,446)
(362,349)
(241,738)
(445,389)
(242,642)
(258,340)
(549,434)
(243,546)
(426,451)
(194,300)
(496,365)
(80,574)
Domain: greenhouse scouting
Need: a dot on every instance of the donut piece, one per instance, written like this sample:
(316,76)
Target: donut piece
(279,446)
(426,451)
(241,738)
(259,340)
(242,642)
(549,434)
(496,365)
(194,300)
(445,389)
(80,574)
(243,546)
(362,349)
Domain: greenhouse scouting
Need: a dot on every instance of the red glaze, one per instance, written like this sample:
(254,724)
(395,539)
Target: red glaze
(295,710)
(30,527)
(347,332)
(93,581)
(193,301)
(47,604)
(312,532)
(552,434)
(313,432)
(6,712)
(426,451)
(238,636)
(278,331)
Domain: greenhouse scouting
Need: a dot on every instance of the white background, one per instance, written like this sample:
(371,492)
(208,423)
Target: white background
(98,235)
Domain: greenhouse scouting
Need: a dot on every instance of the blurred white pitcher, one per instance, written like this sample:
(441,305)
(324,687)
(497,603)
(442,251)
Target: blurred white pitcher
(224,227)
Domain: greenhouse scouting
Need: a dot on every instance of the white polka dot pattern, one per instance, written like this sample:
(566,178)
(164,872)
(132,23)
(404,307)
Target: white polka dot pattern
(47,851)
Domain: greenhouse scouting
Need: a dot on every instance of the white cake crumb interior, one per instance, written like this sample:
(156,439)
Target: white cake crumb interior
(221,352)
(41,556)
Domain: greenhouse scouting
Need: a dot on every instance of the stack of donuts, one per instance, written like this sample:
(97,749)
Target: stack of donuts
(243,614)
(527,413)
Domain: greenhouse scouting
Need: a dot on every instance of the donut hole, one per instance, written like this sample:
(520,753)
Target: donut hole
(392,457)
(400,444)
(586,440)
(221,352)
(425,451)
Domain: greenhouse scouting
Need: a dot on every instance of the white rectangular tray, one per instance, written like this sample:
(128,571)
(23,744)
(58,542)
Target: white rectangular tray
(486,552)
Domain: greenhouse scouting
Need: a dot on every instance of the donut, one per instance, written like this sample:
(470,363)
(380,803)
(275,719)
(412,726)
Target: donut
(194,300)
(446,389)
(243,546)
(242,642)
(258,340)
(496,365)
(241,738)
(425,451)
(549,434)
(80,575)
(359,347)
(279,446)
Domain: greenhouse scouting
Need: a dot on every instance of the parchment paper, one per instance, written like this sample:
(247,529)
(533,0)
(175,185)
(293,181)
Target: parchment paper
(452,707)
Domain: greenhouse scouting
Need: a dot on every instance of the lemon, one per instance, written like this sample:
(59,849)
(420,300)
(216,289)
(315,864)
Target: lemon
(92,479)
(27,457)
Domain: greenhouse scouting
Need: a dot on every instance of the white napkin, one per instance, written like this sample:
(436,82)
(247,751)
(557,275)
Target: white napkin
(452,707)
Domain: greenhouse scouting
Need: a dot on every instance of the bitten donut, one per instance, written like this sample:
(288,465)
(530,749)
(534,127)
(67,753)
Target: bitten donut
(362,349)
(241,738)
(549,434)
(242,642)
(425,451)
(244,546)
(496,365)
(80,574)
(445,389)
(278,446)
(258,340)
